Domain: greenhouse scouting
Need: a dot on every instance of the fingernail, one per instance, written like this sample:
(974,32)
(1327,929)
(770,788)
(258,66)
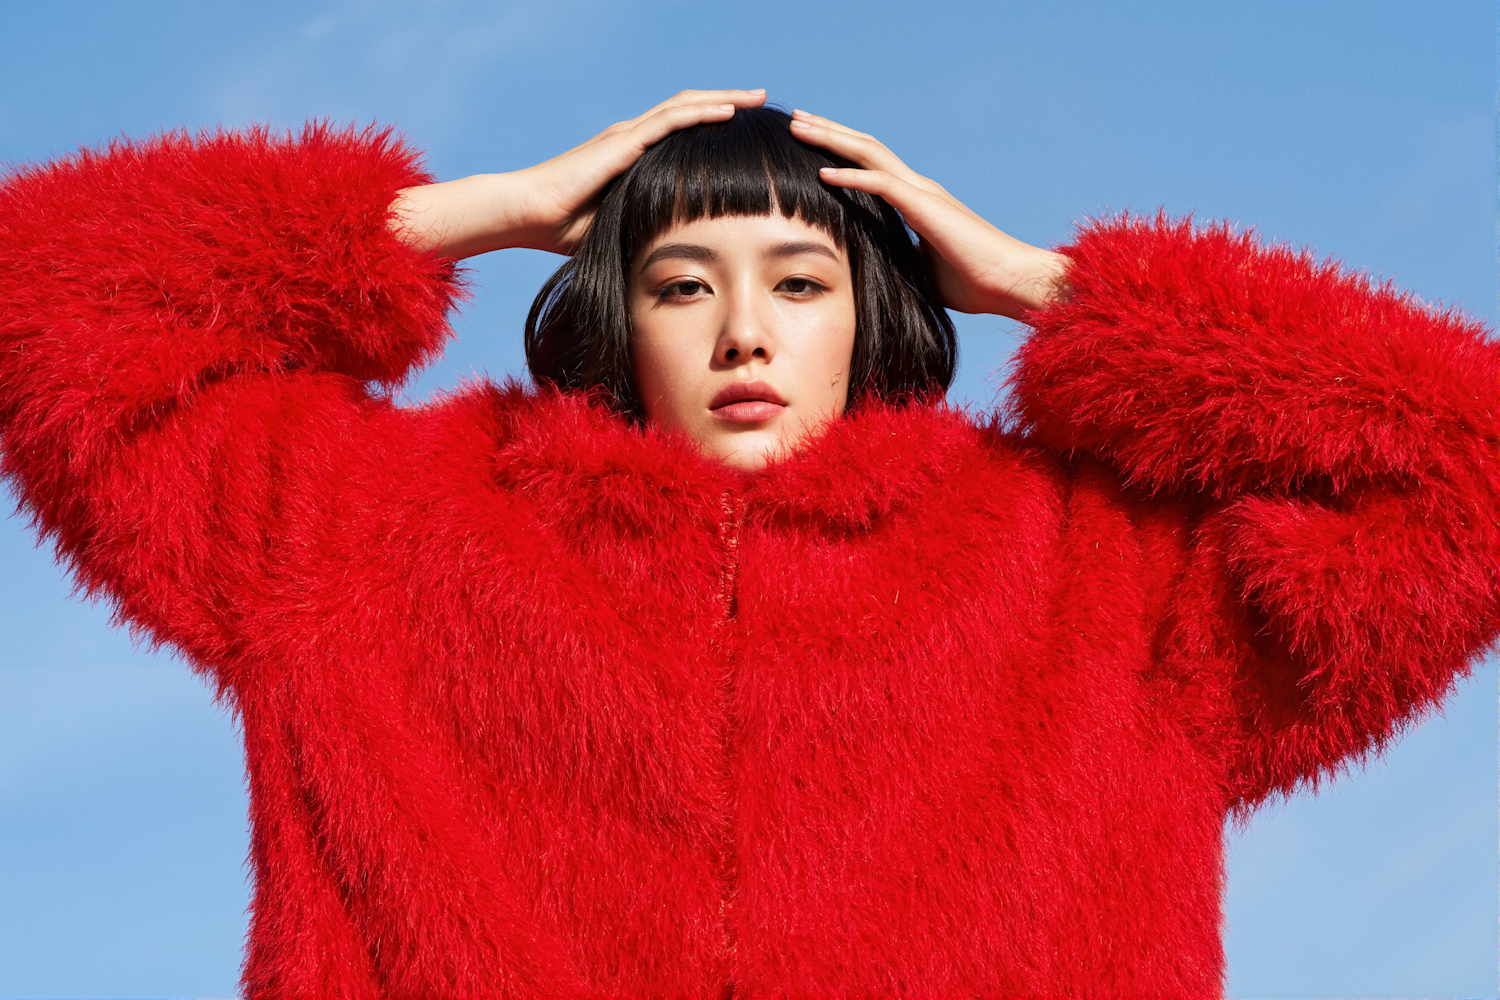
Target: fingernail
(799,123)
(758,90)
(726,107)
(828,170)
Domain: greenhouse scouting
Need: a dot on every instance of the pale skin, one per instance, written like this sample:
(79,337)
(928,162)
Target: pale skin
(742,327)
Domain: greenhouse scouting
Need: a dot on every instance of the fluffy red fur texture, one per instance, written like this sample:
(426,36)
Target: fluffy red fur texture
(539,704)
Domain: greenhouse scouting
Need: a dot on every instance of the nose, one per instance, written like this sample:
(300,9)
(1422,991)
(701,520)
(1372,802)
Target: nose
(747,332)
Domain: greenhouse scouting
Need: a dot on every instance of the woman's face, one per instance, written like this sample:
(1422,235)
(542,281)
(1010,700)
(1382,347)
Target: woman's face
(742,333)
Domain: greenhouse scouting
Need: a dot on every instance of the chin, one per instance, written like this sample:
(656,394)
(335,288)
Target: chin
(751,451)
(745,456)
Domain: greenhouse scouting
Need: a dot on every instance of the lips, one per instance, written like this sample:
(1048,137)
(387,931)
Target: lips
(747,402)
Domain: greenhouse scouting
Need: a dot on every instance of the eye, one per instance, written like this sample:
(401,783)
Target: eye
(799,285)
(687,288)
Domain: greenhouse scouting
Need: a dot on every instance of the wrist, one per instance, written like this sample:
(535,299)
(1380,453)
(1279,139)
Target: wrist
(1046,281)
(461,218)
(1030,279)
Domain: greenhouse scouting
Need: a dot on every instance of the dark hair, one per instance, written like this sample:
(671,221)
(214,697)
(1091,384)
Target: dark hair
(578,331)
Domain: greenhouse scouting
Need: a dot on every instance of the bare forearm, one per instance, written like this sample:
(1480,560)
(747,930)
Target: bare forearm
(548,206)
(460,218)
(1025,278)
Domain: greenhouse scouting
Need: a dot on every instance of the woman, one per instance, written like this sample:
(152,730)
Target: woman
(729,662)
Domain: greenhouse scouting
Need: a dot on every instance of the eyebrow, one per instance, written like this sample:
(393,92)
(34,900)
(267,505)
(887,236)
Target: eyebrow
(681,251)
(796,248)
(706,255)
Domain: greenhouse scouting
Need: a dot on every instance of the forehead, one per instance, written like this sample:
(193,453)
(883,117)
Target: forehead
(733,236)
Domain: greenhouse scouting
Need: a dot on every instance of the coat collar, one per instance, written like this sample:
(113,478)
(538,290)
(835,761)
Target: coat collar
(578,461)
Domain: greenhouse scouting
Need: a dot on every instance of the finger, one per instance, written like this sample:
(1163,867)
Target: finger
(612,152)
(945,225)
(860,147)
(923,210)
(577,174)
(963,246)
(927,183)
(876,182)
(808,116)
(672,119)
(739,98)
(818,125)
(864,150)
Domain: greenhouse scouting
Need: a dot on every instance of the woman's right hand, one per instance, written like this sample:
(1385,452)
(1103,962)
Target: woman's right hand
(548,206)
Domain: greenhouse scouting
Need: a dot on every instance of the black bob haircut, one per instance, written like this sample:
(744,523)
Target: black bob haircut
(578,331)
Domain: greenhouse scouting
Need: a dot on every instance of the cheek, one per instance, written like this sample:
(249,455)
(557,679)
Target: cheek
(841,346)
(660,363)
(827,349)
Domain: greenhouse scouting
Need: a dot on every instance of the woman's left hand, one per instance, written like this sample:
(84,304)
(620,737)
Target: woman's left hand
(978,268)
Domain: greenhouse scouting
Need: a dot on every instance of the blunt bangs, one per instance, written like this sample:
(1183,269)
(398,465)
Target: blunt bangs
(748,165)
(578,330)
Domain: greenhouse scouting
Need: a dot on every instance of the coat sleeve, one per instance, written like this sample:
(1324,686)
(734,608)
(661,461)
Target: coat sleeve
(194,333)
(184,326)
(1331,452)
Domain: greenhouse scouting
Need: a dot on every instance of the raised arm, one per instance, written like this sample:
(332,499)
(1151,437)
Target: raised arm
(1325,453)
(1340,445)
(194,336)
(189,332)
(183,321)
(549,206)
(187,323)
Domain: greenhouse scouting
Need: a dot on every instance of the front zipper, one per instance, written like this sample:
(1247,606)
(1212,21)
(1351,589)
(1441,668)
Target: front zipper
(729,567)
(730,508)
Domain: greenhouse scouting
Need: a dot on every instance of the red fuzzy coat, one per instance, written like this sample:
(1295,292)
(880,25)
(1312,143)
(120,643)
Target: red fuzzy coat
(535,704)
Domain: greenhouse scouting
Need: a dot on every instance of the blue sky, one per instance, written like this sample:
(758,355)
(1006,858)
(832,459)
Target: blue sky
(1365,130)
